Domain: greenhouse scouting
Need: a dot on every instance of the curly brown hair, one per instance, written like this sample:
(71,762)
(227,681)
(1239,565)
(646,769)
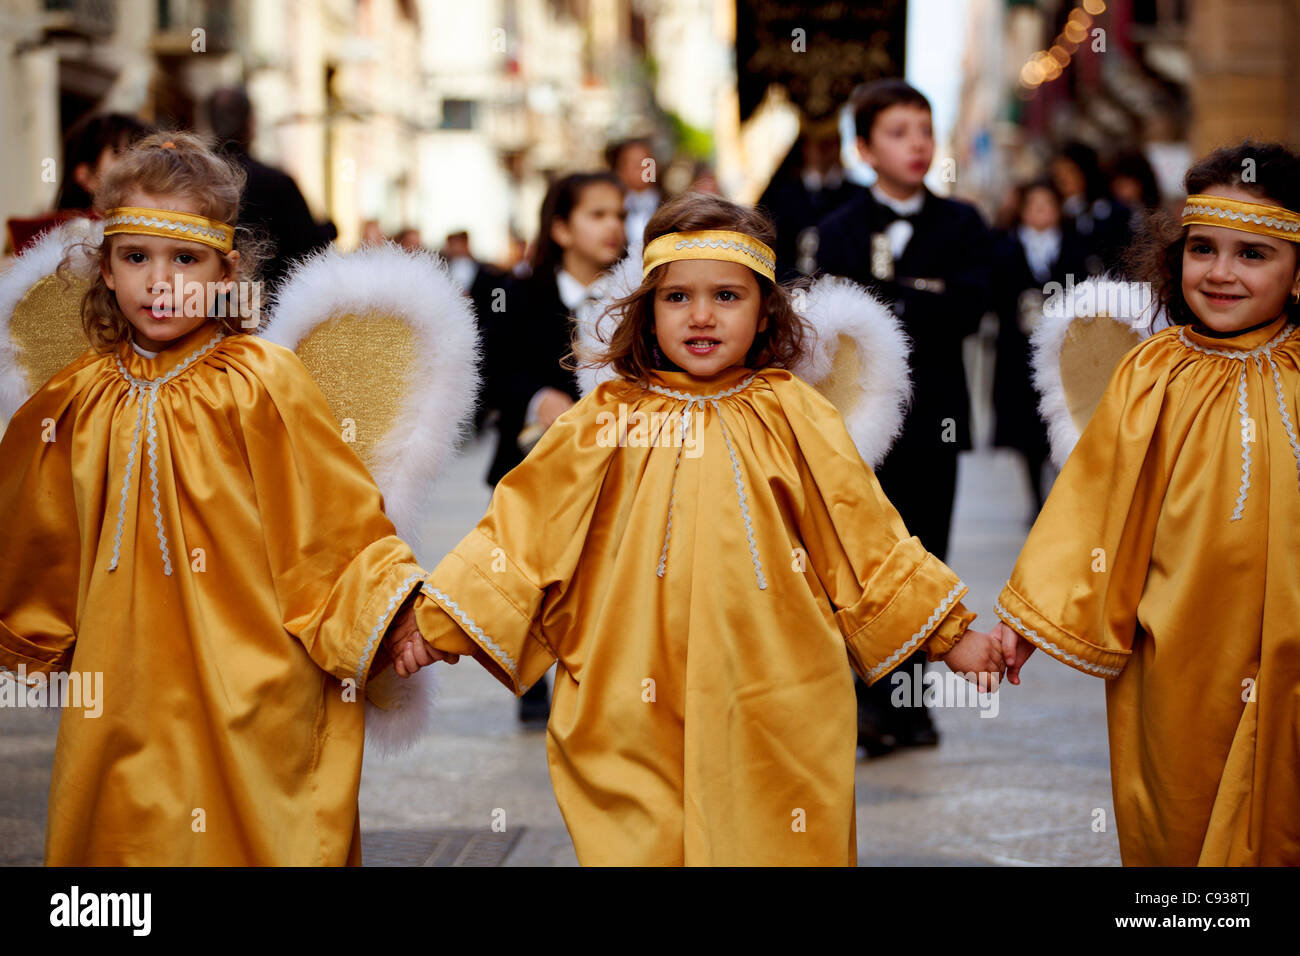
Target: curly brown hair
(631,345)
(1156,254)
(187,167)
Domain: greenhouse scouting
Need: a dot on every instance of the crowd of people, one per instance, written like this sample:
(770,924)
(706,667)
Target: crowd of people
(942,269)
(932,259)
(567,565)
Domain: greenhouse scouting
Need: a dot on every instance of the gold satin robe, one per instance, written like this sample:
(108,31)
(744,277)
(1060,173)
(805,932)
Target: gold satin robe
(227,734)
(705,601)
(1165,560)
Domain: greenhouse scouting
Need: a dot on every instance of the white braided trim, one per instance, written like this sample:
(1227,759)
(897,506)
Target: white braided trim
(132,395)
(171,224)
(672,497)
(151,386)
(184,364)
(1286,416)
(938,615)
(744,504)
(512,668)
(699,399)
(1240,355)
(152,440)
(752,251)
(1202,209)
(1098,669)
(385,615)
(1243,410)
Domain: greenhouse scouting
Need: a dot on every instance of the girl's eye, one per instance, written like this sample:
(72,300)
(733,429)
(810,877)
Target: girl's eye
(185,259)
(729,293)
(135,258)
(1252,253)
(672,296)
(1201,248)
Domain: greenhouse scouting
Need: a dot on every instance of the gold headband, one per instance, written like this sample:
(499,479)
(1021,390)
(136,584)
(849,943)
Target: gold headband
(137,220)
(1276,221)
(710,244)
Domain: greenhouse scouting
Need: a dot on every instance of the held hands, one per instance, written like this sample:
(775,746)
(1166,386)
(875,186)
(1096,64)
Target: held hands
(1015,650)
(407,646)
(553,404)
(979,654)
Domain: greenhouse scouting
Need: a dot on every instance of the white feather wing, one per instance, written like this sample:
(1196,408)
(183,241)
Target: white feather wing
(19,369)
(381,283)
(1084,331)
(858,360)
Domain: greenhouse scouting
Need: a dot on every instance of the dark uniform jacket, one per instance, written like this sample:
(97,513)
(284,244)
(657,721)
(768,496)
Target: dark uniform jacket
(525,344)
(949,244)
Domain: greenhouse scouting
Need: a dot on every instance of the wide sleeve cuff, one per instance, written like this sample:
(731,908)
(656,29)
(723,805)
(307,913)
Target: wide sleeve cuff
(377,613)
(1027,621)
(949,632)
(902,606)
(34,658)
(495,605)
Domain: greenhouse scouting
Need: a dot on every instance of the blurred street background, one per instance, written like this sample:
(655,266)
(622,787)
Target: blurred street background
(441,125)
(441,116)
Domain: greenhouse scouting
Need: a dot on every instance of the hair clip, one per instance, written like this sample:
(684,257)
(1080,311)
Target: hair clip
(168,145)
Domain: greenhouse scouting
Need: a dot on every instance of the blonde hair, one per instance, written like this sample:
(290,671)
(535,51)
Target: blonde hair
(173,164)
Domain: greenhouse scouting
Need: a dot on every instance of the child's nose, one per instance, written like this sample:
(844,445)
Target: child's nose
(702,314)
(159,280)
(1221,268)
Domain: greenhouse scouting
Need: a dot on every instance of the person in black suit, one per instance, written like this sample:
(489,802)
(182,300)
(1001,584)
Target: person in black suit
(931,259)
(480,282)
(581,234)
(1038,249)
(272,204)
(809,186)
(1100,220)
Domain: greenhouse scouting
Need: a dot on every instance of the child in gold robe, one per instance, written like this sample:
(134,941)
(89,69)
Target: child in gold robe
(183,519)
(703,550)
(1165,557)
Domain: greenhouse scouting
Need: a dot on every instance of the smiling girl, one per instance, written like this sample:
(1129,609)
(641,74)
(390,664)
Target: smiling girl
(183,518)
(707,604)
(1165,557)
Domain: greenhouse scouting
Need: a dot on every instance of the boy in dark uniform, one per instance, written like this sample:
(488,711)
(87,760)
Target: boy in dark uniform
(931,258)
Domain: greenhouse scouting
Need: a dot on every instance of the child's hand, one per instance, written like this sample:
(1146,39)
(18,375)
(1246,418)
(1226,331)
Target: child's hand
(407,646)
(552,405)
(1015,650)
(977,653)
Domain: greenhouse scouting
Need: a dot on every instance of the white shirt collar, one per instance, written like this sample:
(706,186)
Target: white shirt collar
(904,207)
(1042,248)
(463,269)
(645,201)
(814,181)
(145,352)
(572,292)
